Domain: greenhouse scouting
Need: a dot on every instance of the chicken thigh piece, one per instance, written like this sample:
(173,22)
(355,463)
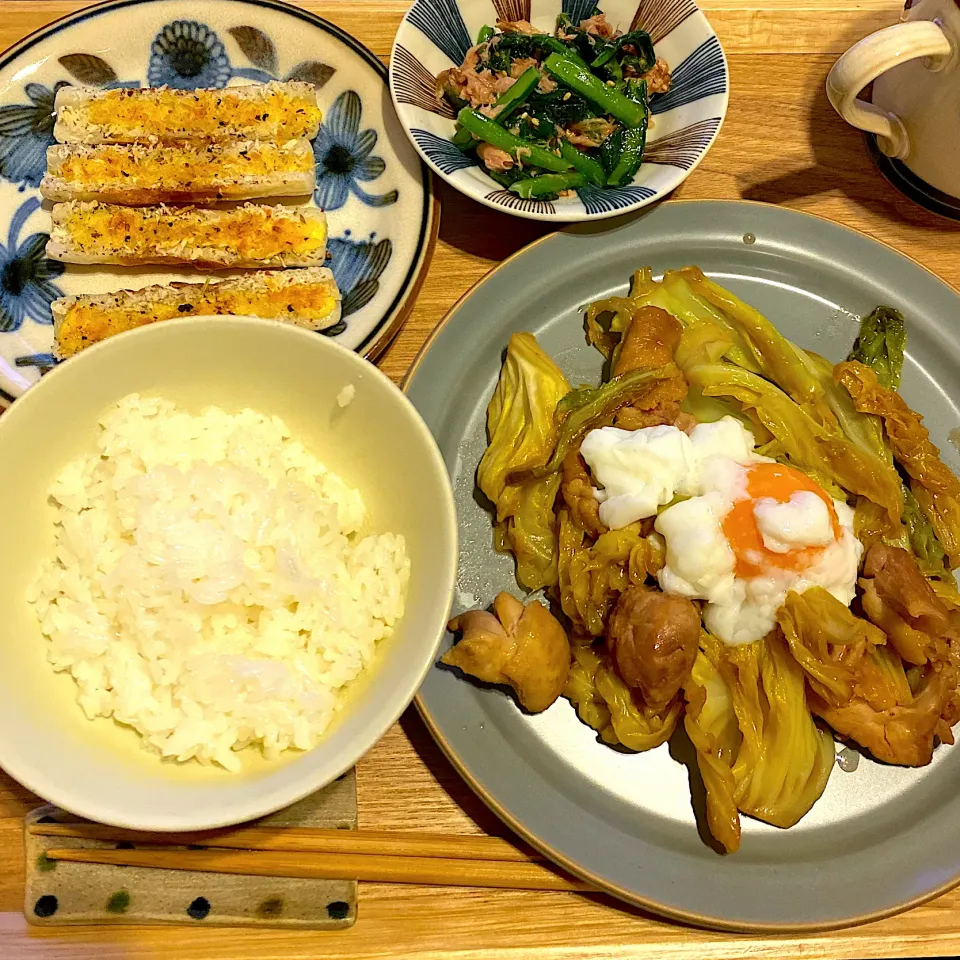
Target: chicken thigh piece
(522,646)
(654,638)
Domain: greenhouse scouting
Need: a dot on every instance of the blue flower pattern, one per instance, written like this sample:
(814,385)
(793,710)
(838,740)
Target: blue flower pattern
(186,54)
(345,157)
(26,290)
(26,130)
(357,266)
(42,361)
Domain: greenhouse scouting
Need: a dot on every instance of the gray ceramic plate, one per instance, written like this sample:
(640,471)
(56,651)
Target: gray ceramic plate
(881,838)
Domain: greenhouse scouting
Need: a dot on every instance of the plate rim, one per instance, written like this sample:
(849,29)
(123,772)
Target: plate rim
(393,318)
(527,834)
(657,197)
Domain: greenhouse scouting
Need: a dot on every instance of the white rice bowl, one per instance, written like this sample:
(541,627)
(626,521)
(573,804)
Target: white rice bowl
(213,585)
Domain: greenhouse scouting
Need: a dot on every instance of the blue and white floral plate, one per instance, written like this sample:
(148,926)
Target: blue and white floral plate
(436,34)
(376,192)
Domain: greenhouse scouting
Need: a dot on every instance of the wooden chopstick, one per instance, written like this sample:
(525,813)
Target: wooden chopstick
(303,840)
(338,866)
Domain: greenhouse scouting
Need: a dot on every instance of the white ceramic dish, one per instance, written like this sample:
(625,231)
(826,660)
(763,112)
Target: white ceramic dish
(436,34)
(377,194)
(378,443)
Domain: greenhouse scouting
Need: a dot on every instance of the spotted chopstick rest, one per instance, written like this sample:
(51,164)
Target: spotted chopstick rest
(61,892)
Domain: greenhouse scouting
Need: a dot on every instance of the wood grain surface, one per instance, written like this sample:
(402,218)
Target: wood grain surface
(782,144)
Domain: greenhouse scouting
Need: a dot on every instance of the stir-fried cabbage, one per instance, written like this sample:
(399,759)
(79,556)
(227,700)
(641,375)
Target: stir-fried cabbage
(607,320)
(933,485)
(593,575)
(605,703)
(904,428)
(883,674)
(943,512)
(636,727)
(711,724)
(522,427)
(581,691)
(703,343)
(528,530)
(836,463)
(880,344)
(922,537)
(861,429)
(776,763)
(779,360)
(828,641)
(785,760)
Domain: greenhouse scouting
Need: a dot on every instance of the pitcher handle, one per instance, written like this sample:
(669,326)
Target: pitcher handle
(876,54)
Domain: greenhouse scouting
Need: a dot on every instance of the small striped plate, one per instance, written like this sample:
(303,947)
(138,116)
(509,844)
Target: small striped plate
(436,34)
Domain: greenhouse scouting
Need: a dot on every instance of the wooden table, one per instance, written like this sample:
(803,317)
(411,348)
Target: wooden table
(781,143)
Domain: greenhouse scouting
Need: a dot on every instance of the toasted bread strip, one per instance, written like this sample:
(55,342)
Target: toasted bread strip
(260,111)
(307,298)
(189,172)
(252,235)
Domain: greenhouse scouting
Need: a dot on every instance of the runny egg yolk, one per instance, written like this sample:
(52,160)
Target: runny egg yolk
(776,482)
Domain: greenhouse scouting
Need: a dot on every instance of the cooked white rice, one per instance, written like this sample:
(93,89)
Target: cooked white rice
(210,586)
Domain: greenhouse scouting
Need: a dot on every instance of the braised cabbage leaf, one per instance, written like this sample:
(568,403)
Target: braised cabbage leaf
(828,641)
(880,345)
(785,760)
(521,422)
(605,703)
(592,575)
(711,724)
(829,457)
(522,429)
(932,483)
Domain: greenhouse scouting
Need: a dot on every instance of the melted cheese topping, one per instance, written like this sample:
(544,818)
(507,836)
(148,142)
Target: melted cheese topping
(86,322)
(250,232)
(167,114)
(183,166)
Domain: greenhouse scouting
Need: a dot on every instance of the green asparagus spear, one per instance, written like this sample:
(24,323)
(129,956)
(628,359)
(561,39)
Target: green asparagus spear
(607,99)
(634,140)
(549,183)
(462,139)
(514,96)
(589,167)
(524,152)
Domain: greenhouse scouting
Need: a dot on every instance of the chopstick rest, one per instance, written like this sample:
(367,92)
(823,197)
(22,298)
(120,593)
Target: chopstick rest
(60,892)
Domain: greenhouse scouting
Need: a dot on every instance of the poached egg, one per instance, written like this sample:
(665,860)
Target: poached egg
(741,530)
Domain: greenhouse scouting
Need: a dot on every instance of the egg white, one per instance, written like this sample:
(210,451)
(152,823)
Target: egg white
(641,471)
